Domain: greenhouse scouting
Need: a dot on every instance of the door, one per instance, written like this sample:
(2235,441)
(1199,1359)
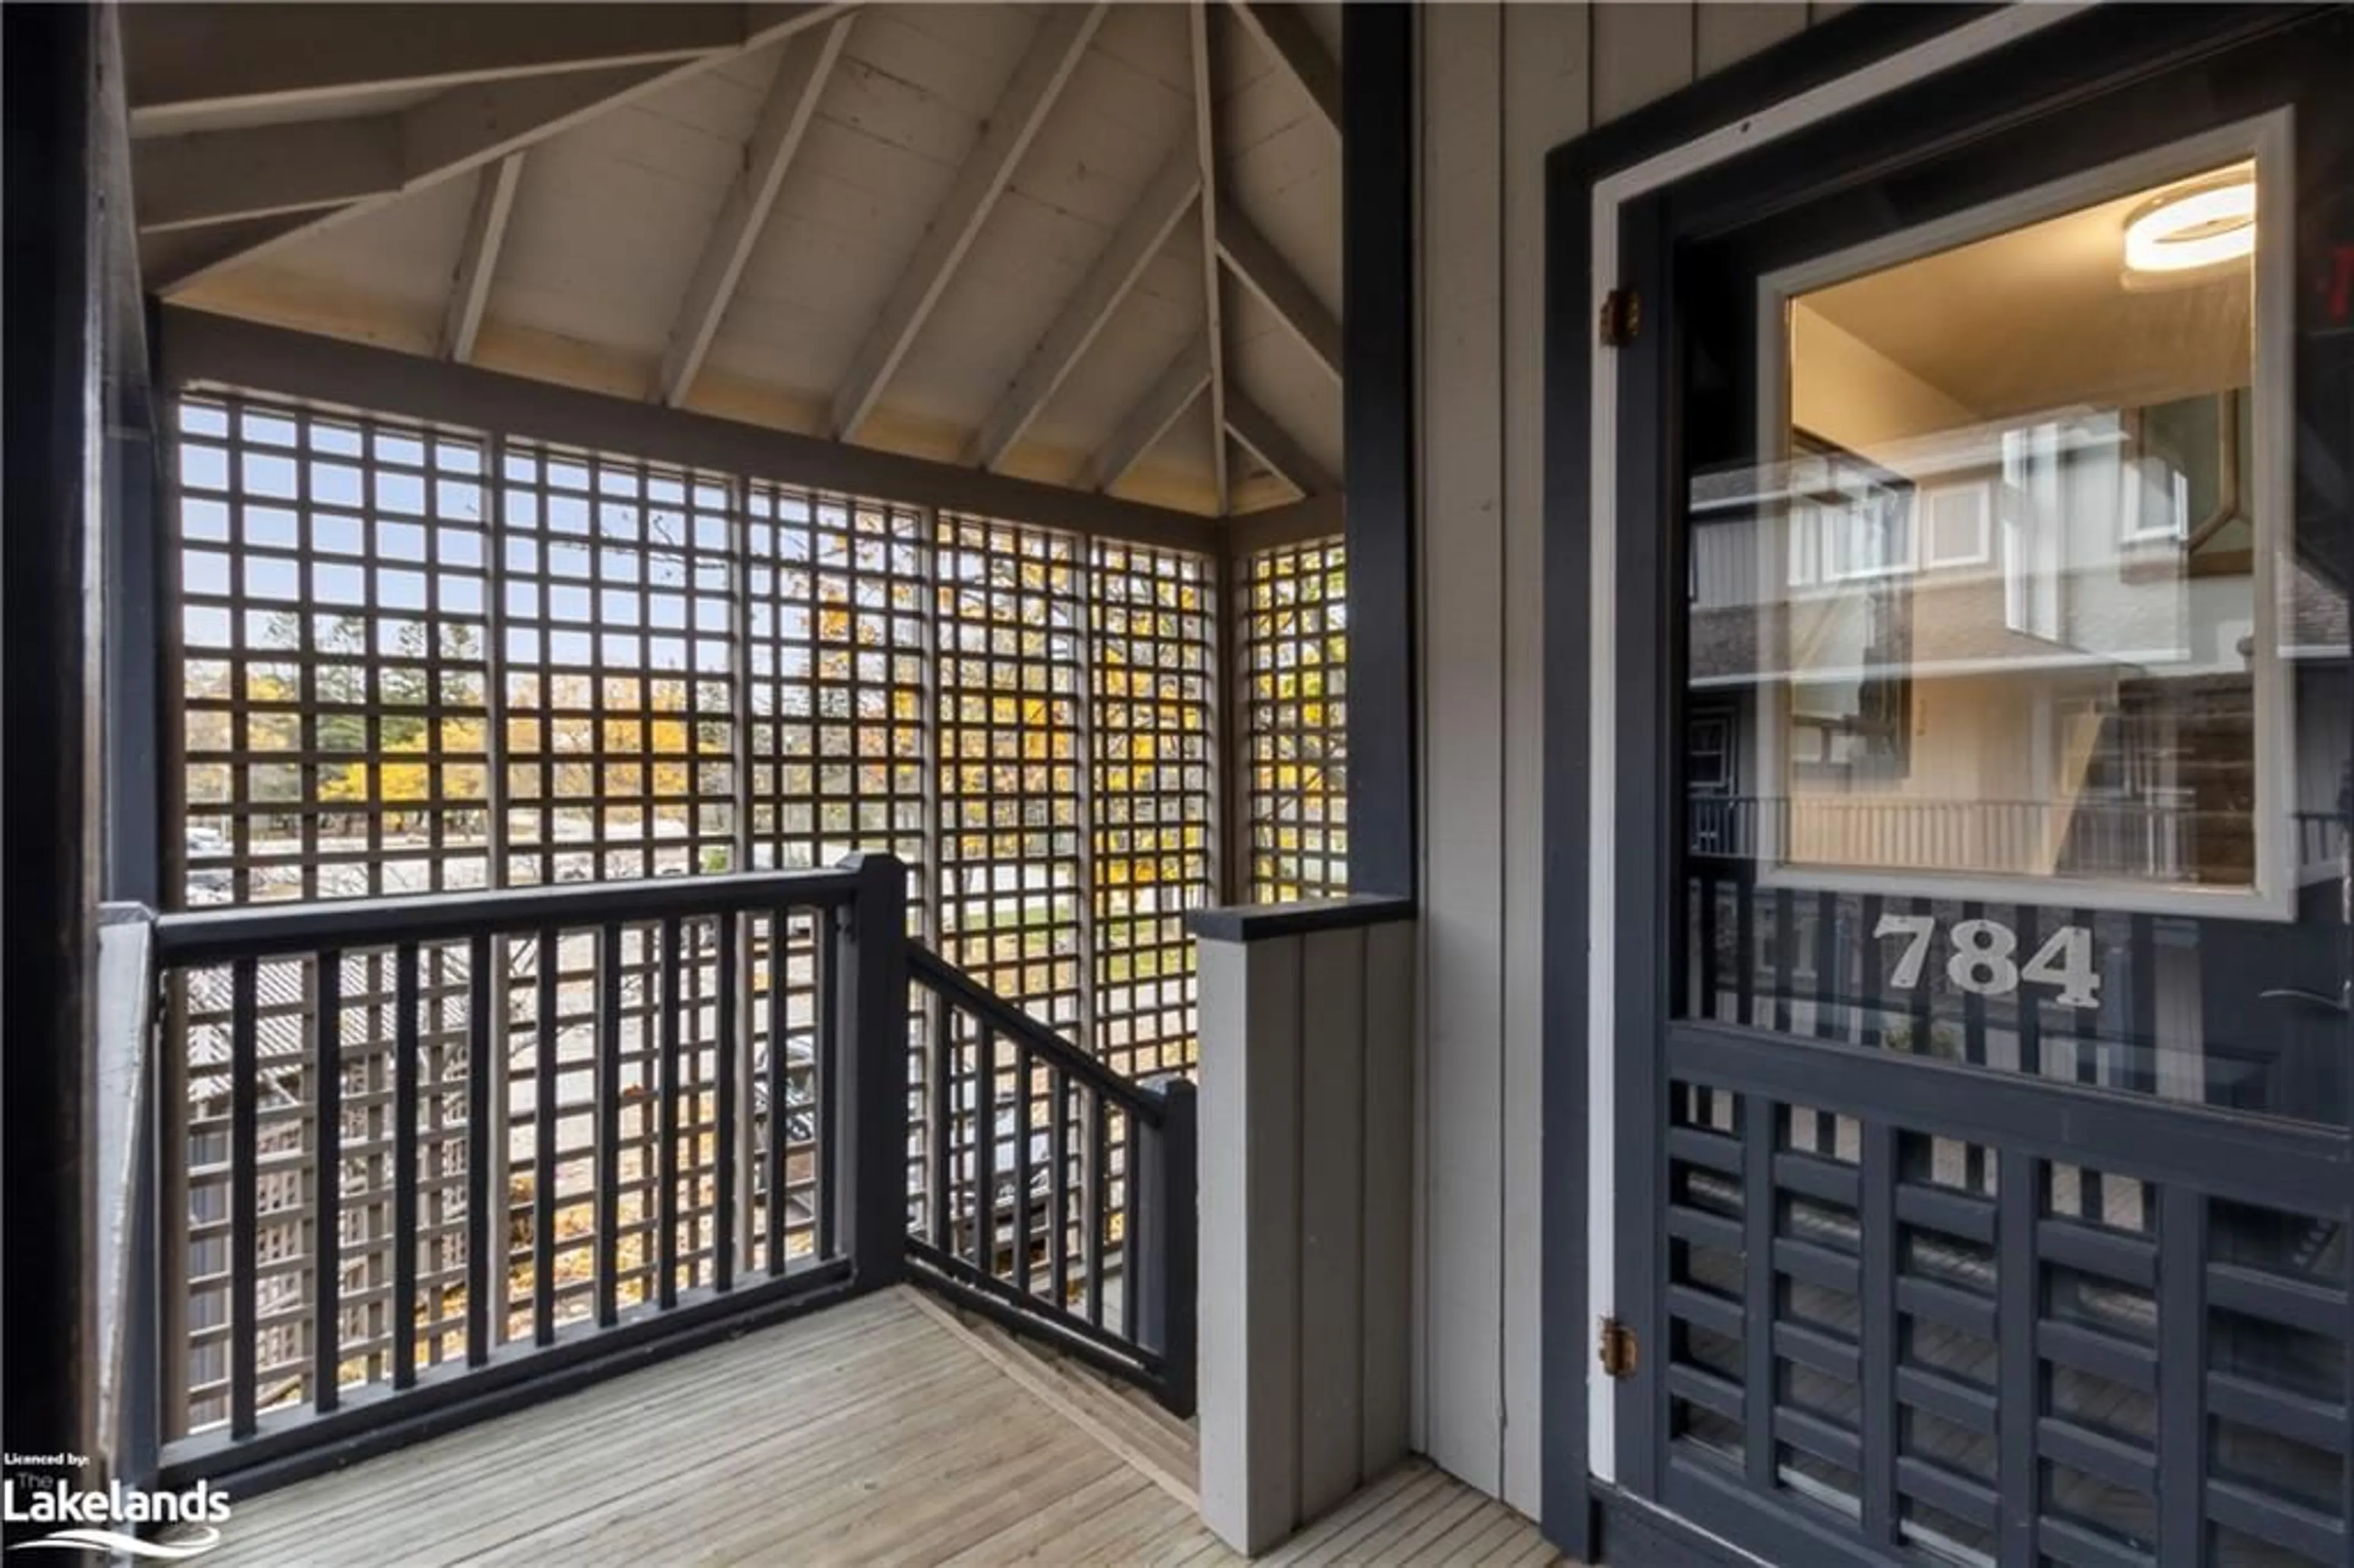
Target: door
(1985,520)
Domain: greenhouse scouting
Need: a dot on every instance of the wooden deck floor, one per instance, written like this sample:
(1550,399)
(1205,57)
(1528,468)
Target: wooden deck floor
(883,1431)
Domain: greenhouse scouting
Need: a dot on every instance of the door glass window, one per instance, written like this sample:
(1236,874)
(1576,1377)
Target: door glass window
(2036,709)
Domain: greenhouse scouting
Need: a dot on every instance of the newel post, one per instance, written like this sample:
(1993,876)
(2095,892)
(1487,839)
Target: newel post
(1163,1230)
(1307,1200)
(870,1085)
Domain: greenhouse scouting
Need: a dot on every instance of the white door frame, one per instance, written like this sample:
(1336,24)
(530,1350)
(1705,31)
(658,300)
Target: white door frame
(1897,70)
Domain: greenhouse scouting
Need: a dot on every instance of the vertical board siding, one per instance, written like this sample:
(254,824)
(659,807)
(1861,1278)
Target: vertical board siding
(1547,85)
(1249,1189)
(1641,53)
(1389,1188)
(1731,33)
(1331,1201)
(1461,324)
(1501,86)
(1307,1206)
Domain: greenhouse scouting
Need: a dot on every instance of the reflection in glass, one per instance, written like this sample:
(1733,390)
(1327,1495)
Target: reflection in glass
(2018,716)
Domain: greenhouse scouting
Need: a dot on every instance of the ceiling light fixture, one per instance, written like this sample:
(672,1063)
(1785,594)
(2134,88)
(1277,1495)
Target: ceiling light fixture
(2189,230)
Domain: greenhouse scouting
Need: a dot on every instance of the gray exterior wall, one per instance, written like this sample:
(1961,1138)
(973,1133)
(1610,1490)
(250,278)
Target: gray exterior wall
(1499,86)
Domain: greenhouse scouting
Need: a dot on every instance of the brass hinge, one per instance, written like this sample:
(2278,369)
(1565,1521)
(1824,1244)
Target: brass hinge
(1617,1348)
(1622,317)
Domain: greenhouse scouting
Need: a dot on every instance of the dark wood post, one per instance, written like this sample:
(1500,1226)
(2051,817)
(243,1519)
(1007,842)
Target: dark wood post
(1163,1230)
(870,1086)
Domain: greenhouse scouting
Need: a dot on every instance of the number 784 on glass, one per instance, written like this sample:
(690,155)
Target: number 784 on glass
(1983,959)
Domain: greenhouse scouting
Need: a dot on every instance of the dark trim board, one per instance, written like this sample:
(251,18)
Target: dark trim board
(200,349)
(1259,922)
(1377,230)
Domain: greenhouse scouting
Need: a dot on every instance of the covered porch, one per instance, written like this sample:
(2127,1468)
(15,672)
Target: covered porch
(889,1430)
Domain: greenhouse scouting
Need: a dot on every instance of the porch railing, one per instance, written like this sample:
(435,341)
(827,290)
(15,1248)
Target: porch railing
(1060,1195)
(420,1159)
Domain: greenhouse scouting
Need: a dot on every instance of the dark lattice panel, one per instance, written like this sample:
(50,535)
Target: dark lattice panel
(332,709)
(1928,1340)
(618,593)
(1152,628)
(1292,646)
(1013,702)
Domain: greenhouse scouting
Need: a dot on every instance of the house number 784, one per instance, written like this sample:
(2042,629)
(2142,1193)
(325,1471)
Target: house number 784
(1985,958)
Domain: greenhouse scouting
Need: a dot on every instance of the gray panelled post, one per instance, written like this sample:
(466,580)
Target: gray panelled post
(1306,1208)
(871,1086)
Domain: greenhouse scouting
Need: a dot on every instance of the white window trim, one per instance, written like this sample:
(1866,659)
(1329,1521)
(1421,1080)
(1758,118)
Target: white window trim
(1982,491)
(2174,529)
(2267,139)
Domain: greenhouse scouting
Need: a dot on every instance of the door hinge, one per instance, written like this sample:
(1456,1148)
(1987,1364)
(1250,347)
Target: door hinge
(1622,317)
(1617,1348)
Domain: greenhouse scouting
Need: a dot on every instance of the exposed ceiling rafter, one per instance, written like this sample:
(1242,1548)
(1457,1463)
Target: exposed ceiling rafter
(802,75)
(1055,49)
(1143,426)
(226,176)
(186,61)
(448,135)
(1213,315)
(1265,272)
(478,258)
(1272,444)
(1286,33)
(1116,271)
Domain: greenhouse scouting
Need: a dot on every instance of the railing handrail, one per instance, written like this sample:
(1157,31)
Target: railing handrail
(196,936)
(927,968)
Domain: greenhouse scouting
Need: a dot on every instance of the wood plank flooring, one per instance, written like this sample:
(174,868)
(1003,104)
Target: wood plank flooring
(884,1430)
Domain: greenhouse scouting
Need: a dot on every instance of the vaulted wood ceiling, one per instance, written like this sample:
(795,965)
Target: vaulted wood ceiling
(1094,245)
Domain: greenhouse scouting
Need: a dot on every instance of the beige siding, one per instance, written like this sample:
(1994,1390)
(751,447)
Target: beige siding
(1500,87)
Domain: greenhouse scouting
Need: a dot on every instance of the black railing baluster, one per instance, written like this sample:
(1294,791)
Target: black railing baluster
(1021,1277)
(943,1140)
(826,1064)
(608,1124)
(547,1072)
(404,1166)
(485,1224)
(327,1068)
(776,1155)
(666,1216)
(983,1200)
(1058,1185)
(1134,1225)
(722,1261)
(1871,1000)
(1095,1189)
(245,1190)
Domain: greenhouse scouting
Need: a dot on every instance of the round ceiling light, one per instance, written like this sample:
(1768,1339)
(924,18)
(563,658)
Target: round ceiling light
(2190,230)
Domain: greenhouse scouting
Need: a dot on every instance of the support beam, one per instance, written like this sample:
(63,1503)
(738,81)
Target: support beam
(1271,277)
(808,60)
(1285,34)
(457,132)
(1213,314)
(1251,424)
(200,349)
(1146,423)
(225,176)
(1141,235)
(1293,523)
(1054,50)
(182,62)
(477,260)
